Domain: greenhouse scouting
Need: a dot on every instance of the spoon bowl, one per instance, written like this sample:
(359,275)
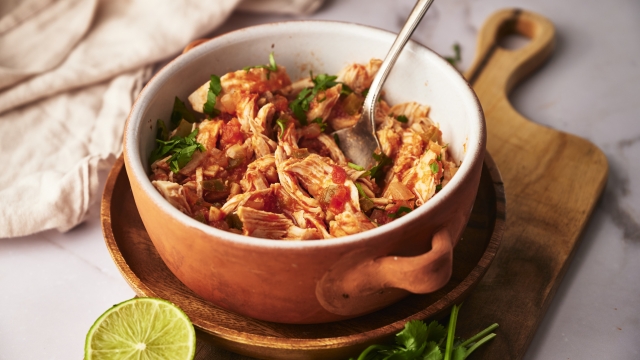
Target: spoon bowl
(359,142)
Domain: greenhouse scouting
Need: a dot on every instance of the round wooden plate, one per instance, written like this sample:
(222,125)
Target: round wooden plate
(138,261)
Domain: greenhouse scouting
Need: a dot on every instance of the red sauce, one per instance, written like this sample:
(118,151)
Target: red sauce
(231,134)
(315,146)
(338,199)
(338,176)
(271,204)
(281,103)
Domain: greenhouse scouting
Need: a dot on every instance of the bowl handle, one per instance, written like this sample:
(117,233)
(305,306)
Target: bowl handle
(359,284)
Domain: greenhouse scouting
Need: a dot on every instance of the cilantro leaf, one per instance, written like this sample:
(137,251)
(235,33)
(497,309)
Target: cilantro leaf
(432,352)
(403,119)
(323,125)
(365,92)
(181,150)
(162,133)
(180,112)
(376,171)
(282,123)
(271,67)
(434,167)
(346,90)
(300,105)
(413,335)
(454,60)
(336,139)
(435,332)
(418,341)
(214,90)
(400,211)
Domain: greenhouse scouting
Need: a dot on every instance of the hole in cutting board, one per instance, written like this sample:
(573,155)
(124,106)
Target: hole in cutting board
(513,41)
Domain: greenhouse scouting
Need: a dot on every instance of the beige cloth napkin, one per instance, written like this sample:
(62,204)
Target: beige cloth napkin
(69,72)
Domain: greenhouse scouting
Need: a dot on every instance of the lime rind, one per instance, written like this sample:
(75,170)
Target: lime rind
(141,328)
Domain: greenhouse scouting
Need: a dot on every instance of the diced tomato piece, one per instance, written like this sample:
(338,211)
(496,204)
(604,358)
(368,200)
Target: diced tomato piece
(338,175)
(380,217)
(231,134)
(339,199)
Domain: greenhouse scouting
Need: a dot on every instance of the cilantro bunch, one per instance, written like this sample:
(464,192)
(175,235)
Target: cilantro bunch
(428,342)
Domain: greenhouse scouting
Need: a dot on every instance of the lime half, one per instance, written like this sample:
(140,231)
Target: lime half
(141,328)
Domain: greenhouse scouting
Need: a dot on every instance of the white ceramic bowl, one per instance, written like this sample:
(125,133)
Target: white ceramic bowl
(324,280)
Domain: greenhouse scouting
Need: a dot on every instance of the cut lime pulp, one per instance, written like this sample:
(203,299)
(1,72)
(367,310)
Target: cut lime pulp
(141,328)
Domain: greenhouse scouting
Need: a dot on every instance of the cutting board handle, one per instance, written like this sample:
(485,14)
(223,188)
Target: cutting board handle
(503,68)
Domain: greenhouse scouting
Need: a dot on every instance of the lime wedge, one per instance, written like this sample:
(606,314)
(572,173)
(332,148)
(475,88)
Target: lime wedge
(141,328)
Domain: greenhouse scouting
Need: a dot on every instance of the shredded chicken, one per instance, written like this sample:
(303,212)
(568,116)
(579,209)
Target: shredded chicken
(268,167)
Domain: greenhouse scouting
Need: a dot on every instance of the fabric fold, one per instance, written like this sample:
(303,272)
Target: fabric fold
(71,71)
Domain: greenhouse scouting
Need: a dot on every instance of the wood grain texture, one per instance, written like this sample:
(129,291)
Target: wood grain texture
(552,180)
(142,267)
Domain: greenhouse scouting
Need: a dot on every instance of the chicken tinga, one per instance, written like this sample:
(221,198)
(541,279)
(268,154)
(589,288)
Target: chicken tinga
(261,162)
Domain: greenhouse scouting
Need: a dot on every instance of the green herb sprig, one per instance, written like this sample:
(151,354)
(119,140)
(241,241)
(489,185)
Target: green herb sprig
(454,60)
(272,67)
(418,341)
(403,119)
(323,125)
(322,82)
(181,150)
(376,171)
(282,123)
(214,90)
(399,212)
(180,112)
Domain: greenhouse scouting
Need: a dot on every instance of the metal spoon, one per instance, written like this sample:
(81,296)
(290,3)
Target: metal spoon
(360,142)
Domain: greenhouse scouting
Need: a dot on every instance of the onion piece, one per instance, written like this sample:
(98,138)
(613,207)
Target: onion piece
(398,191)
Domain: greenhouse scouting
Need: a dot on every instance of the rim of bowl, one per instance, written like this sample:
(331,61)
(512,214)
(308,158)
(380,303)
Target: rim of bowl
(474,151)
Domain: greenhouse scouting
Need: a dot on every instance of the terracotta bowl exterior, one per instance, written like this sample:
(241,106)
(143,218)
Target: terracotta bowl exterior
(324,280)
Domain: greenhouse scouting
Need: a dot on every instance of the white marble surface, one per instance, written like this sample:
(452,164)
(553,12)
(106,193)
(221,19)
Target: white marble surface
(53,286)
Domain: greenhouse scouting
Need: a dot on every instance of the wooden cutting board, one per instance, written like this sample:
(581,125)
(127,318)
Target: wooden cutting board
(552,182)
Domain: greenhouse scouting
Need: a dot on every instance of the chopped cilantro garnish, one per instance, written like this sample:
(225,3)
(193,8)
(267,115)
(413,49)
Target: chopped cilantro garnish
(346,90)
(400,211)
(181,150)
(403,119)
(434,167)
(323,125)
(282,123)
(162,133)
(300,105)
(454,60)
(271,67)
(336,139)
(376,171)
(438,187)
(234,222)
(355,166)
(214,90)
(180,112)
(417,341)
(365,92)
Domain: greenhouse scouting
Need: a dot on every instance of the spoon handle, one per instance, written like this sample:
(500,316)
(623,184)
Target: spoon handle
(410,25)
